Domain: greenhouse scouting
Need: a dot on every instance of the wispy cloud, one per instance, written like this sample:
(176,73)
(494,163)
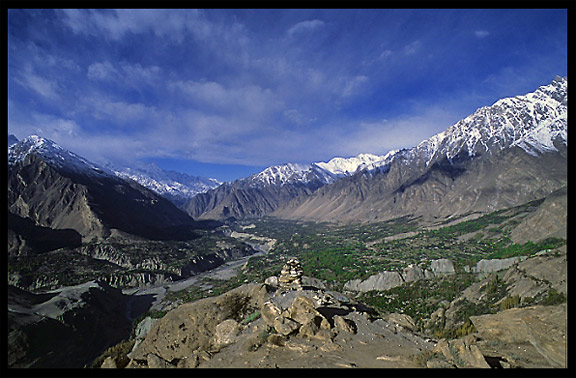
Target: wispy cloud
(305,26)
(41,85)
(263,87)
(481,33)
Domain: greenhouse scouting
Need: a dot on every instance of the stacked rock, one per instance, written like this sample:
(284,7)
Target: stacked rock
(291,275)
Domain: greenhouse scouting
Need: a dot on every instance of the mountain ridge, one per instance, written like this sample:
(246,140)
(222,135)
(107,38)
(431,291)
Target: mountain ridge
(502,155)
(534,124)
(56,188)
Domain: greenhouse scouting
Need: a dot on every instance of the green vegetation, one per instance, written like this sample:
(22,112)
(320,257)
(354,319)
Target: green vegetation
(339,253)
(117,352)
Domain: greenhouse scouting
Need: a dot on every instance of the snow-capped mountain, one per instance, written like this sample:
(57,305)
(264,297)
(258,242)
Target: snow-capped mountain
(265,191)
(176,186)
(12,140)
(324,172)
(533,122)
(341,167)
(53,154)
(502,155)
(53,187)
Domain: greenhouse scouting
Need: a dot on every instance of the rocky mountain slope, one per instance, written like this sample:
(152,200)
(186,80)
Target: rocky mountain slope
(502,155)
(262,193)
(64,328)
(56,188)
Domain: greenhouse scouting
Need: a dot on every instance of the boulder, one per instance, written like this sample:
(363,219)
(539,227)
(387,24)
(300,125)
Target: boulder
(302,310)
(269,312)
(380,281)
(413,273)
(285,326)
(344,325)
(226,333)
(462,353)
(442,267)
(271,281)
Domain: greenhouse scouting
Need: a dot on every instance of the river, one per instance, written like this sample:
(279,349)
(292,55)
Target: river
(150,298)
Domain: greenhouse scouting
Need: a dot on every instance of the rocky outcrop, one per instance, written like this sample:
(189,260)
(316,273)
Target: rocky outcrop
(388,280)
(139,279)
(259,325)
(182,334)
(495,265)
(380,281)
(539,330)
(530,281)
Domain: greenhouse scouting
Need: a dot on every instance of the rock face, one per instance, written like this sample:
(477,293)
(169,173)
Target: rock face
(495,265)
(388,280)
(442,267)
(309,327)
(541,330)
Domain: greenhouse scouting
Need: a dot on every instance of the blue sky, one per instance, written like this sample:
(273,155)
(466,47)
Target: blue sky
(225,93)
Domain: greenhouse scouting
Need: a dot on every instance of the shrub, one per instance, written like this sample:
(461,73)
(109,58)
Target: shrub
(553,298)
(118,353)
(510,302)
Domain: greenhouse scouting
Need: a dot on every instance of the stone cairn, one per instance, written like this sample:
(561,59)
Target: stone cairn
(291,275)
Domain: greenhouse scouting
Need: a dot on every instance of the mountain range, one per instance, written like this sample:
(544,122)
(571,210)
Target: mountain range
(264,192)
(177,187)
(57,189)
(502,155)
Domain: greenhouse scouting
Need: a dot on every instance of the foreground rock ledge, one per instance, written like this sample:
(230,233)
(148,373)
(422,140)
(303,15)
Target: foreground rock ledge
(259,325)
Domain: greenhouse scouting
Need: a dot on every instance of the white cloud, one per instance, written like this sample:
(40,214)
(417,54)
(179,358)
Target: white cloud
(354,85)
(133,75)
(305,26)
(102,71)
(406,131)
(44,87)
(412,48)
(481,33)
(120,111)
(174,24)
(247,101)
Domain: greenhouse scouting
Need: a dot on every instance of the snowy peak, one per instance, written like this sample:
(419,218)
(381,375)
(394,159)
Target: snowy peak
(53,154)
(12,140)
(319,172)
(176,186)
(533,122)
(347,166)
(281,174)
